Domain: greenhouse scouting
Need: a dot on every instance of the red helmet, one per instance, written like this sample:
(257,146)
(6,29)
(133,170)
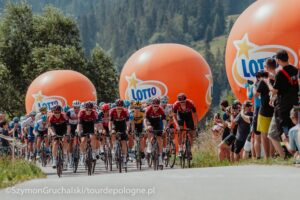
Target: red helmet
(119,103)
(181,97)
(105,107)
(156,101)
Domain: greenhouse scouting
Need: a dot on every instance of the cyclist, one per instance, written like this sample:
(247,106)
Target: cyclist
(41,132)
(119,123)
(103,119)
(185,114)
(72,115)
(42,111)
(168,108)
(27,132)
(86,127)
(137,118)
(58,127)
(155,122)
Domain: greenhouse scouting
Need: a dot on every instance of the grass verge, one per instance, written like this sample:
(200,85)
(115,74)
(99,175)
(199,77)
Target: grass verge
(205,154)
(13,172)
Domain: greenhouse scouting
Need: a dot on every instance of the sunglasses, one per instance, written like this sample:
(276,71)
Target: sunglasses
(182,101)
(76,107)
(57,112)
(89,110)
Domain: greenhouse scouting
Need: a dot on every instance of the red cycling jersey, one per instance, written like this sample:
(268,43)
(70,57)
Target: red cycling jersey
(59,124)
(124,116)
(155,117)
(190,107)
(84,117)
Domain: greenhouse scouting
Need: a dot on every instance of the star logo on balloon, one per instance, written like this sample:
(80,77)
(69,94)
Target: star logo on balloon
(250,58)
(132,80)
(140,90)
(244,46)
(38,97)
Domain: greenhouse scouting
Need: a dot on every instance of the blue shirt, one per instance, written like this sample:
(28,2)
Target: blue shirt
(293,139)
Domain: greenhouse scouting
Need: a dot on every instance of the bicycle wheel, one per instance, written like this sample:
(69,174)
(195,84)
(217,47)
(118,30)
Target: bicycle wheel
(59,165)
(75,157)
(89,160)
(155,155)
(138,156)
(172,155)
(120,159)
(105,160)
(188,155)
(109,159)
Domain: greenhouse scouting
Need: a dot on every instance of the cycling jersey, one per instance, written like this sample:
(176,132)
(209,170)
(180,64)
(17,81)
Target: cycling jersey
(29,125)
(87,121)
(103,118)
(41,128)
(137,116)
(184,116)
(169,115)
(119,121)
(155,117)
(73,116)
(59,124)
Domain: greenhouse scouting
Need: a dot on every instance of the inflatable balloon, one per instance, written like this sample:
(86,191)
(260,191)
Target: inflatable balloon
(260,31)
(59,87)
(167,69)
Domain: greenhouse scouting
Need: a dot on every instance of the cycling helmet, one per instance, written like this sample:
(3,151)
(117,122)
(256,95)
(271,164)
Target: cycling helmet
(66,108)
(105,107)
(137,104)
(156,101)
(43,109)
(164,100)
(16,119)
(119,103)
(44,118)
(101,104)
(181,97)
(89,105)
(32,113)
(57,108)
(126,103)
(149,102)
(76,103)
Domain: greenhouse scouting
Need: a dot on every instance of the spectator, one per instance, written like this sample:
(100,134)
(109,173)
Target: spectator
(2,116)
(293,143)
(243,122)
(286,87)
(4,131)
(265,111)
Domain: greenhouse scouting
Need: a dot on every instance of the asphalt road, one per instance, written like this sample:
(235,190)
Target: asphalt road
(220,183)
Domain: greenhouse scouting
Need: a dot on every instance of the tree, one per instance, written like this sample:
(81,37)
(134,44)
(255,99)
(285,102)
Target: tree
(103,74)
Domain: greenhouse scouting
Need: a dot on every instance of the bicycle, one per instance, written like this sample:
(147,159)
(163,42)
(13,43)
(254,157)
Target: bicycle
(155,151)
(60,158)
(44,157)
(118,153)
(170,149)
(186,155)
(138,156)
(107,153)
(89,161)
(75,154)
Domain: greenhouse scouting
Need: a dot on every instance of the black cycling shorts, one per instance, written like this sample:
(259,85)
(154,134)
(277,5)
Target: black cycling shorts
(238,146)
(73,129)
(42,134)
(189,122)
(123,136)
(138,128)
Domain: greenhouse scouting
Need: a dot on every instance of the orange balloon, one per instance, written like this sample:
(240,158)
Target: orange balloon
(59,87)
(167,69)
(260,31)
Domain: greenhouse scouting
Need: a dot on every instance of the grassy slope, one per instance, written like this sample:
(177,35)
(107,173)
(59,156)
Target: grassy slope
(12,173)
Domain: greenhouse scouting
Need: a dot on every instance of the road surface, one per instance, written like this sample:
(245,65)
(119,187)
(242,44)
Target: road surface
(220,183)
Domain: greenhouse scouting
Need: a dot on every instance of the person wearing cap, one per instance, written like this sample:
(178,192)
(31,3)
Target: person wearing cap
(243,123)
(265,112)
(15,127)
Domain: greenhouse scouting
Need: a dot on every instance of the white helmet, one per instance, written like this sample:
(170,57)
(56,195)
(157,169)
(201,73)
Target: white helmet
(76,103)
